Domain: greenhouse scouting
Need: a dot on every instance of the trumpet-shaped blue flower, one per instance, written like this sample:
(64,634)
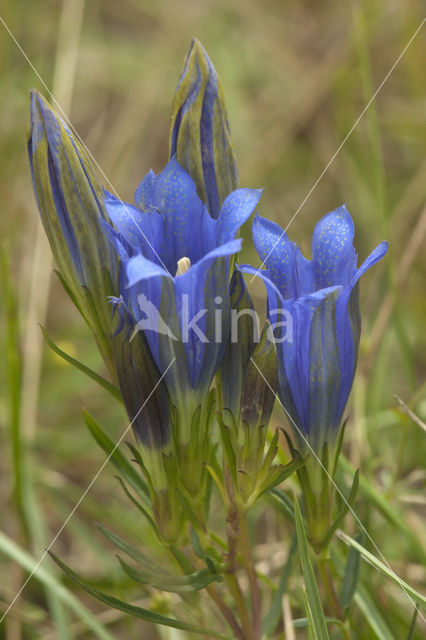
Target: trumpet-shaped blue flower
(72,210)
(175,274)
(70,201)
(317,352)
(199,133)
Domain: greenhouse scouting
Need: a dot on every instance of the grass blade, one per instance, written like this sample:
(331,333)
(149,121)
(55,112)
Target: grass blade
(82,367)
(383,568)
(372,614)
(13,551)
(275,610)
(312,594)
(139,612)
(350,579)
(119,460)
(412,625)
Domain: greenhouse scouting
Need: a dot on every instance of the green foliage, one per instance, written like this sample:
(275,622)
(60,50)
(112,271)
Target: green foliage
(313,604)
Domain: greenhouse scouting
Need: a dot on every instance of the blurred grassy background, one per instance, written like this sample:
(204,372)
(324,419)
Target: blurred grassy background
(296,76)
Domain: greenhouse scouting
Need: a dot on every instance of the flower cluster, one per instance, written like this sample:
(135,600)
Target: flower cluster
(157,285)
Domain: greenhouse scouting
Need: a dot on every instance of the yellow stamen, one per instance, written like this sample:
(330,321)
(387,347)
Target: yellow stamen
(183,266)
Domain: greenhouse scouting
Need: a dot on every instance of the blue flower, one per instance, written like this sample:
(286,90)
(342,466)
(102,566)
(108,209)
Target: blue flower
(199,134)
(72,210)
(317,342)
(70,201)
(174,278)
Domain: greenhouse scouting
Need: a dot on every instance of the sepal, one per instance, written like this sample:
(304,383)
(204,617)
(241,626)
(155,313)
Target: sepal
(260,383)
(244,332)
(250,471)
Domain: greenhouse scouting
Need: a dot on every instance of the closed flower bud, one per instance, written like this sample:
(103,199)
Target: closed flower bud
(199,135)
(70,201)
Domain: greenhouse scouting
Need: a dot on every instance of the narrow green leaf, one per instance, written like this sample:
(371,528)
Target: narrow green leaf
(13,551)
(138,505)
(121,463)
(338,448)
(312,594)
(276,607)
(383,568)
(372,614)
(178,584)
(300,623)
(283,502)
(412,625)
(312,629)
(280,473)
(82,367)
(132,552)
(363,600)
(133,610)
(384,506)
(344,510)
(228,445)
(350,578)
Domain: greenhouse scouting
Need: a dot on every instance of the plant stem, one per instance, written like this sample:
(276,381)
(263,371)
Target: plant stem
(225,611)
(233,539)
(248,561)
(240,603)
(327,581)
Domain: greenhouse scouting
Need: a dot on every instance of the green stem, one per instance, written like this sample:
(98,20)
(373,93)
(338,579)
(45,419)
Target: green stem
(225,611)
(324,569)
(240,604)
(248,562)
(233,539)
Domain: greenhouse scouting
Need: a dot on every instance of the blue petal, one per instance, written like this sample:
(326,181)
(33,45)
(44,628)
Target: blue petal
(348,331)
(142,230)
(150,297)
(236,209)
(144,193)
(333,254)
(275,299)
(324,391)
(139,268)
(205,287)
(348,325)
(189,231)
(288,269)
(125,217)
(116,241)
(295,357)
(376,255)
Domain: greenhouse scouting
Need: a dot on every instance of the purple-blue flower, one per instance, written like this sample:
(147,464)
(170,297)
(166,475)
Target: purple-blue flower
(318,338)
(175,279)
(70,201)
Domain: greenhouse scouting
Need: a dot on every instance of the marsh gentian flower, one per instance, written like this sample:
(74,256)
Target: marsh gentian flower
(70,201)
(175,275)
(317,351)
(199,134)
(72,210)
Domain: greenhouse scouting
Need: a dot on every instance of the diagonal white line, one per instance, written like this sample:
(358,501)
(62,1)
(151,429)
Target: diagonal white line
(68,121)
(373,97)
(92,482)
(311,450)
